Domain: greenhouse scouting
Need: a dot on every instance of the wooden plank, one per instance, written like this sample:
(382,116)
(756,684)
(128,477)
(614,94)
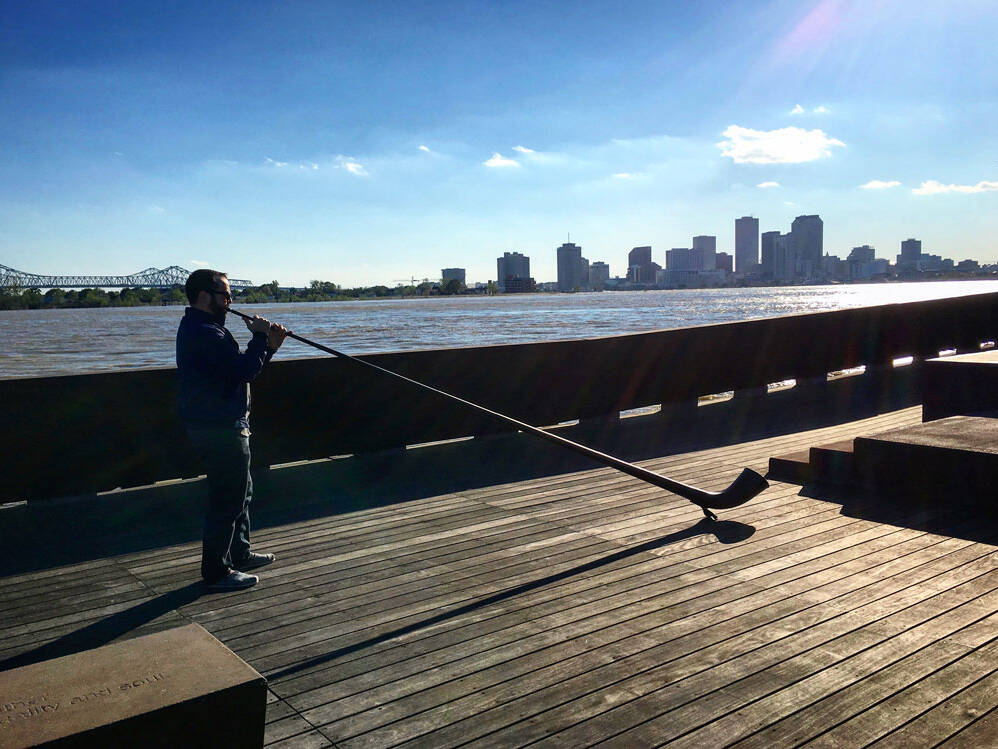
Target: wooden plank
(730,649)
(740,710)
(937,706)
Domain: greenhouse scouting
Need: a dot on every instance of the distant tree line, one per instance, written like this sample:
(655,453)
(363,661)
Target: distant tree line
(316,291)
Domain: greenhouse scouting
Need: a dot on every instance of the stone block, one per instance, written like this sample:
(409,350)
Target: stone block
(177,688)
(962,384)
(951,462)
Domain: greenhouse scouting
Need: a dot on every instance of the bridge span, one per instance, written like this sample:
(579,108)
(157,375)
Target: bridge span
(157,278)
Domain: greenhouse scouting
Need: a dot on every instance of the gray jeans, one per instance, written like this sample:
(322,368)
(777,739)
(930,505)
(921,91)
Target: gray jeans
(225,454)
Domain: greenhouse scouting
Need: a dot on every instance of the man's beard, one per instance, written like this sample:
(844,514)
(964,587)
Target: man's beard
(218,310)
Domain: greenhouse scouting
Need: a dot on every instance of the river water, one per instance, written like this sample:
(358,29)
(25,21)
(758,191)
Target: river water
(73,341)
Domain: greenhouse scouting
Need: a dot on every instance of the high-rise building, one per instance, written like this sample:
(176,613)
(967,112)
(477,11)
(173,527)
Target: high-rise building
(599,274)
(723,261)
(569,267)
(778,258)
(703,253)
(911,254)
(457,273)
(862,254)
(746,243)
(786,264)
(640,268)
(678,258)
(769,253)
(511,266)
(807,243)
(639,256)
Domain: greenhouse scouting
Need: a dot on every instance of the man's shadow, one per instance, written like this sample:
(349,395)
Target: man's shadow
(114,627)
(125,623)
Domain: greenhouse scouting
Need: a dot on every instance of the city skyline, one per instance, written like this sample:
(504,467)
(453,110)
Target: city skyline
(364,142)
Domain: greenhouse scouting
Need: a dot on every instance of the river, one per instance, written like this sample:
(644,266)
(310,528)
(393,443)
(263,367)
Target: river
(72,341)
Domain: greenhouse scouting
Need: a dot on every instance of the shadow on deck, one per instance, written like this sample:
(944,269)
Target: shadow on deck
(72,530)
(430,598)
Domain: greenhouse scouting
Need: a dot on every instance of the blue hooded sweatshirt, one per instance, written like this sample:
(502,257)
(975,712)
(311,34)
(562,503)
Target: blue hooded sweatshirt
(213,376)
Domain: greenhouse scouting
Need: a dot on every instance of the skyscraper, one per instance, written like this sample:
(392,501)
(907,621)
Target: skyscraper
(703,253)
(769,239)
(678,258)
(807,244)
(639,256)
(599,274)
(779,261)
(447,274)
(569,267)
(911,253)
(746,243)
(786,262)
(512,266)
(640,268)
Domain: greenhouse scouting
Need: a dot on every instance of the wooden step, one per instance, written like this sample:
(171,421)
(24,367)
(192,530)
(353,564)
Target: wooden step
(833,463)
(793,468)
(829,463)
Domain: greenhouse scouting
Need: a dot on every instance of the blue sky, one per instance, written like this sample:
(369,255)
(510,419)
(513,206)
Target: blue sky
(366,142)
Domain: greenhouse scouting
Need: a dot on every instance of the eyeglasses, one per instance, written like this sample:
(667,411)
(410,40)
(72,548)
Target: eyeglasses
(224,294)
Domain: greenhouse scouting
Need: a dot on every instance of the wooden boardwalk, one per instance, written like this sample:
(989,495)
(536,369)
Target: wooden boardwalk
(581,609)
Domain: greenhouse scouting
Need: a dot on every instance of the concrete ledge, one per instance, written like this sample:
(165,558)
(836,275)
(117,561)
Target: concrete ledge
(178,688)
(962,384)
(952,462)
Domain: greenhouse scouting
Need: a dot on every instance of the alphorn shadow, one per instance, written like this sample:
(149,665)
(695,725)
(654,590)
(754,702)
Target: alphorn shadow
(725,531)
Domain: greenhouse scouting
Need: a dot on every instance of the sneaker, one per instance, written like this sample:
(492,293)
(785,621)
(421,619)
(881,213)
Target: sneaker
(235,580)
(253,561)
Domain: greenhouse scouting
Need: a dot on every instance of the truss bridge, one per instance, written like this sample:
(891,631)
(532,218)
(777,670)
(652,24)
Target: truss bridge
(150,278)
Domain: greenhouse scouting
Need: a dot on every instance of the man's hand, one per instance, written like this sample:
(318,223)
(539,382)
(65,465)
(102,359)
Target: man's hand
(258,324)
(276,336)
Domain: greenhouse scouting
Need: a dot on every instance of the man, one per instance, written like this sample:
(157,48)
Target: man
(214,402)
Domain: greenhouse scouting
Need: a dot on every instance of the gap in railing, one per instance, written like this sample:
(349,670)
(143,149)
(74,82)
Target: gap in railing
(560,424)
(630,413)
(903,361)
(434,443)
(776,387)
(715,398)
(947,352)
(838,374)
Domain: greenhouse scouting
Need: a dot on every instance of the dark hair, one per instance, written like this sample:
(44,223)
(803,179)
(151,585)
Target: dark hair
(203,279)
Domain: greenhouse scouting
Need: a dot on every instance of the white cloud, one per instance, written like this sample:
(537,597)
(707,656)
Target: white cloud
(798,109)
(879,184)
(523,149)
(498,160)
(355,168)
(628,175)
(200,263)
(157,208)
(278,164)
(821,110)
(788,145)
(932,187)
(768,184)
(424,148)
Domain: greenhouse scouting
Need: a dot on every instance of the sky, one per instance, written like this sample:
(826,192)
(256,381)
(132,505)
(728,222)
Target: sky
(369,142)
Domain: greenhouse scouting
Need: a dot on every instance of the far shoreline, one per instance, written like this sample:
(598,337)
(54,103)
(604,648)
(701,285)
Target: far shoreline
(34,299)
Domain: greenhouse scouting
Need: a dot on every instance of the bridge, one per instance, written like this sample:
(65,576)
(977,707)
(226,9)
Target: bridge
(150,278)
